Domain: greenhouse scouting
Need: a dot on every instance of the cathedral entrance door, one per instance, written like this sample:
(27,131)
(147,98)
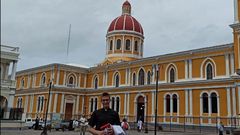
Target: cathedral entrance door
(68,111)
(140,108)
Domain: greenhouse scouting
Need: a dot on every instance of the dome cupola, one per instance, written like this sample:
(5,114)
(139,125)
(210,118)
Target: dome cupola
(124,37)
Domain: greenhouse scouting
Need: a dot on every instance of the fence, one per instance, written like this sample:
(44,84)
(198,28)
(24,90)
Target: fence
(186,123)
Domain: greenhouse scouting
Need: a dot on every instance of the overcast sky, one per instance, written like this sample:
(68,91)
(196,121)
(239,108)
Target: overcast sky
(40,27)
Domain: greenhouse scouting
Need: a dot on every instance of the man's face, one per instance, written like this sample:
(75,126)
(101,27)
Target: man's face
(105,101)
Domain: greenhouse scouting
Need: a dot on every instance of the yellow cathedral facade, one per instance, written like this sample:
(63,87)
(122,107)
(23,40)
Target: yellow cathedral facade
(194,86)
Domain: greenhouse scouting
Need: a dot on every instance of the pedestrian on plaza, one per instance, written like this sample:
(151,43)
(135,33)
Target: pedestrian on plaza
(101,120)
(37,123)
(220,128)
(83,125)
(125,126)
(139,125)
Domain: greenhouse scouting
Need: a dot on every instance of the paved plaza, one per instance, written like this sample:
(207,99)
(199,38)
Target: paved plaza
(130,132)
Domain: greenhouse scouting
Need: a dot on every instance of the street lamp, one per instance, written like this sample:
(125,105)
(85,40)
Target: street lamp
(155,68)
(146,107)
(44,132)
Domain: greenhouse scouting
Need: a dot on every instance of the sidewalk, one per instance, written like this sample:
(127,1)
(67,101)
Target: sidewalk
(130,132)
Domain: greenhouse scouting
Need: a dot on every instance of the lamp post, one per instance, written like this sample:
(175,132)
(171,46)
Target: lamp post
(44,132)
(146,107)
(155,67)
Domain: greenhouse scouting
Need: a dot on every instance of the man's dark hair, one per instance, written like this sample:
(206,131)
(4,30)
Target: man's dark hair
(105,94)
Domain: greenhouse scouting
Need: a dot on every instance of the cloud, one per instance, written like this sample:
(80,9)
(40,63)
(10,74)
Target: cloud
(40,28)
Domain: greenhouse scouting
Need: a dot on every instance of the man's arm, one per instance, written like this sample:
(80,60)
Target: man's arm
(94,131)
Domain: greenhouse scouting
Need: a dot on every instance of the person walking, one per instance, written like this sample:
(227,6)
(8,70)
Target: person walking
(139,124)
(220,128)
(83,125)
(125,126)
(102,119)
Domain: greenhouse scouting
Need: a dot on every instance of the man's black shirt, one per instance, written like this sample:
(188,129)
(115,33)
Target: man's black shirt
(104,116)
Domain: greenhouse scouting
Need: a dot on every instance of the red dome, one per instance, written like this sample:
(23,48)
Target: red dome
(126,3)
(125,22)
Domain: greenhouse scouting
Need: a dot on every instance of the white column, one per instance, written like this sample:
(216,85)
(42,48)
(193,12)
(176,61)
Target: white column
(238,99)
(79,80)
(26,104)
(129,77)
(62,104)
(58,74)
(178,109)
(164,109)
(64,78)
(128,98)
(190,69)
(114,44)
(83,102)
(77,105)
(107,46)
(171,105)
(126,76)
(186,69)
(234,101)
(186,102)
(14,67)
(50,103)
(31,103)
(190,102)
(227,64)
(228,102)
(210,109)
(153,99)
(123,44)
(85,81)
(232,63)
(125,104)
(55,102)
(6,71)
(236,11)
(106,78)
(133,44)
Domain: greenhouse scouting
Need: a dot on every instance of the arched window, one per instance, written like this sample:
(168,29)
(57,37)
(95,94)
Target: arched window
(43,80)
(209,71)
(70,81)
(91,107)
(39,103)
(214,103)
(111,45)
(134,79)
(174,98)
(19,102)
(172,75)
(118,44)
(22,83)
(116,80)
(113,103)
(95,104)
(42,101)
(128,44)
(117,104)
(141,77)
(205,102)
(149,77)
(136,46)
(167,103)
(96,83)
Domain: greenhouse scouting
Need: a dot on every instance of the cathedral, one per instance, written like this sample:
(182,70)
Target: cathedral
(188,87)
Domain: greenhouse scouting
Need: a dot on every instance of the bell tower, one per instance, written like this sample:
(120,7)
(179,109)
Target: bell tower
(236,35)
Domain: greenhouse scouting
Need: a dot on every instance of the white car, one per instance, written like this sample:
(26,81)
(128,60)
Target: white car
(29,122)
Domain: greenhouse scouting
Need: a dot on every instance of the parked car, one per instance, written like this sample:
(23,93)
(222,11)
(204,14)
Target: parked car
(29,122)
(61,125)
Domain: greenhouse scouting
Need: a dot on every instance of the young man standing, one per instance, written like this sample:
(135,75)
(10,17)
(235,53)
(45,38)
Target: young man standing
(102,117)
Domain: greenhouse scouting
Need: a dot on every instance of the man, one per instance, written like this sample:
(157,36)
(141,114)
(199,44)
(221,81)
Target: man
(220,128)
(103,116)
(83,124)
